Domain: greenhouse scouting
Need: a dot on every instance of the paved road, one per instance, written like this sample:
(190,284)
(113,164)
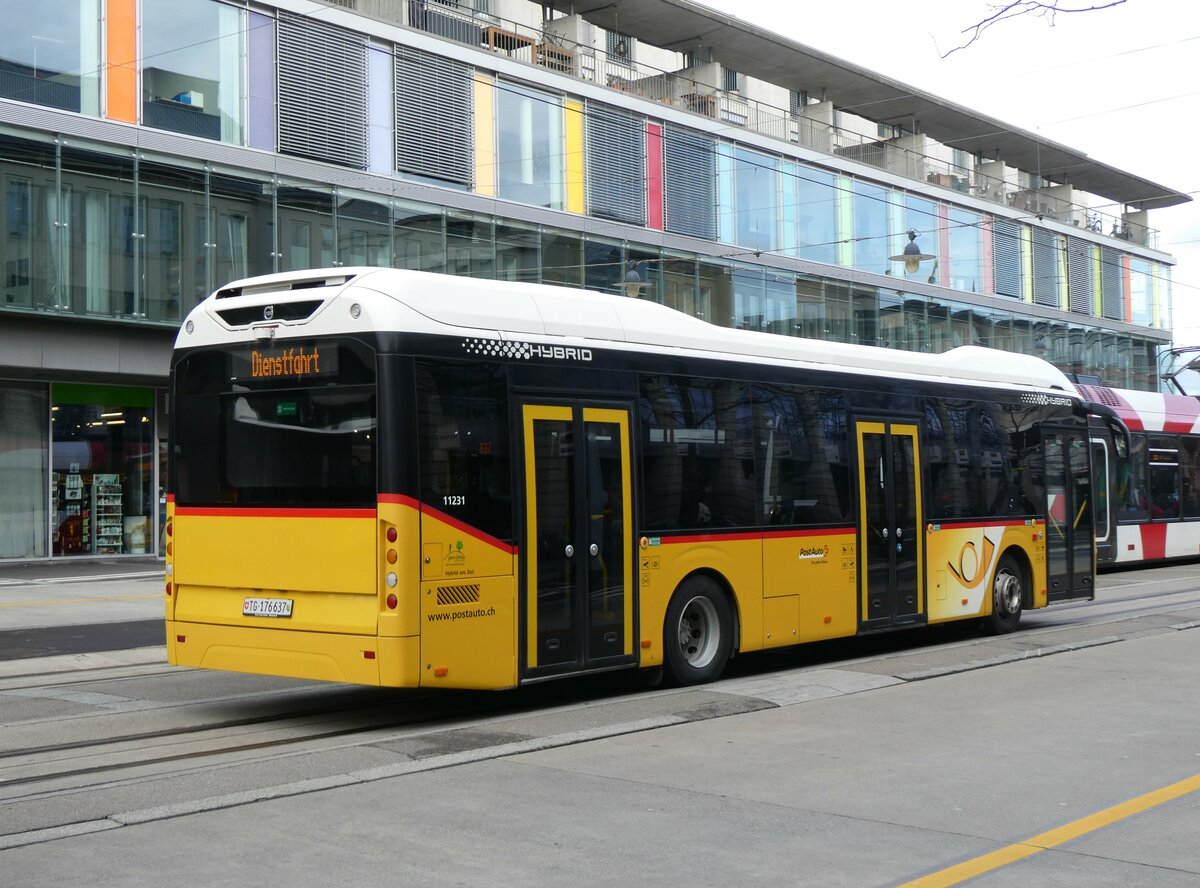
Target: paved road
(1063,756)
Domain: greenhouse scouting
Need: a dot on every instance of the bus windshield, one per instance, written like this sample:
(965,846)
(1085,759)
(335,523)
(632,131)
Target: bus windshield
(280,440)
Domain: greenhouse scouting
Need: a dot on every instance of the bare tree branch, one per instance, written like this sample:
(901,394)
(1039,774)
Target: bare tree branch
(1046,9)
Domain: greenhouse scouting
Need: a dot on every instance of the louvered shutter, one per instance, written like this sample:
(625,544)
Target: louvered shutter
(435,111)
(1111,297)
(616,158)
(1079,275)
(1006,257)
(322,92)
(689,178)
(1045,267)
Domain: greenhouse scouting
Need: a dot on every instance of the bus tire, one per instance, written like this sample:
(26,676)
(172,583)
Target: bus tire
(1008,597)
(698,635)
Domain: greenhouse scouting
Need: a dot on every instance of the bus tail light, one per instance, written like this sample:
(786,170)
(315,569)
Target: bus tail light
(392,535)
(168,590)
(392,601)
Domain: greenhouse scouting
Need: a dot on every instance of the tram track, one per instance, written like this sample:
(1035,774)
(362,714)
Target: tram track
(112,768)
(351,717)
(71,766)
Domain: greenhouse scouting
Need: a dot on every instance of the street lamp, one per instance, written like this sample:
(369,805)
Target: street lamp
(633,281)
(913,256)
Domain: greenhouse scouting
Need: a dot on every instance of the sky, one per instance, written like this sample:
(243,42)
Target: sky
(1118,84)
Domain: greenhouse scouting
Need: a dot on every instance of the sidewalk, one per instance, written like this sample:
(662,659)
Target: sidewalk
(79,608)
(76,569)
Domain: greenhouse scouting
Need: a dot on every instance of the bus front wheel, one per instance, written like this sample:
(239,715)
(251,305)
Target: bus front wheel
(1008,596)
(698,636)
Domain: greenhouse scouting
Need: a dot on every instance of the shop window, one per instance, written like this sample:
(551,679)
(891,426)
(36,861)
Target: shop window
(102,470)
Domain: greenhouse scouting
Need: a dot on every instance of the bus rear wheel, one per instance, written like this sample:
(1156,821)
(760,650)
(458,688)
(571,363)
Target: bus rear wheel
(698,636)
(1008,596)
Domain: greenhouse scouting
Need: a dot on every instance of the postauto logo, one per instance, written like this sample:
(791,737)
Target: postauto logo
(807,552)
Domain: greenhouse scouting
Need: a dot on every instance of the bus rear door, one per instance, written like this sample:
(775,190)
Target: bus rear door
(890,541)
(577,550)
(1070,530)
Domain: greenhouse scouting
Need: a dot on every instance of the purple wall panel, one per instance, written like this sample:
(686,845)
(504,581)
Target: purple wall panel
(261,50)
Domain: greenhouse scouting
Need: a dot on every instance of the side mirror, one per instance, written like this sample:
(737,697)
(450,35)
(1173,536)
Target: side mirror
(1120,441)
(1116,426)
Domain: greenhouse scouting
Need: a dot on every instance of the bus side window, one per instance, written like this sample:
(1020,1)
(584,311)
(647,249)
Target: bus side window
(698,453)
(800,436)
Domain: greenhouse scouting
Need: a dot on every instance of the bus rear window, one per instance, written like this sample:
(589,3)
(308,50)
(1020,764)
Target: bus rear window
(289,446)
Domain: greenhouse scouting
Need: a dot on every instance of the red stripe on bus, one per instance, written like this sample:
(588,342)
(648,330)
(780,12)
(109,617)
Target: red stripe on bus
(786,534)
(399,499)
(751,535)
(245,512)
(462,527)
(955,525)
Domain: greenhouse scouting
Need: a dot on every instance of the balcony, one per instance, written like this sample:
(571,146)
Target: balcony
(810,126)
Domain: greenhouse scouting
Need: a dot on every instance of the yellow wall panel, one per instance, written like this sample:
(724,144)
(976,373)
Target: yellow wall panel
(485,136)
(573,126)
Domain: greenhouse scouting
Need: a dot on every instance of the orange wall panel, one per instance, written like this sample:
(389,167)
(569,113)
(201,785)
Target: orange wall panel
(121,54)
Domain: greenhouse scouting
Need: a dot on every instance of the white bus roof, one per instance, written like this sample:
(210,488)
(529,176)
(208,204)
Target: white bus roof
(423,302)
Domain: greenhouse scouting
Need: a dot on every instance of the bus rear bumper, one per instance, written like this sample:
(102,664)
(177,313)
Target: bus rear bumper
(317,656)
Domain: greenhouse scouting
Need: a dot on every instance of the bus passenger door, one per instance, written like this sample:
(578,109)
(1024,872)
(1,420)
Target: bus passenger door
(1070,532)
(890,540)
(578,600)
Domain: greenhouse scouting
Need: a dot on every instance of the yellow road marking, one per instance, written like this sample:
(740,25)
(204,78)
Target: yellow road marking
(1052,838)
(76,600)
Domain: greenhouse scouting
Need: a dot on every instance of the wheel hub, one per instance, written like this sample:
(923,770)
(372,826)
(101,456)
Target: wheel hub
(1007,589)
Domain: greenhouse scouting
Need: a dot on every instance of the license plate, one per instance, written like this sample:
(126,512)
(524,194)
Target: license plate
(267,607)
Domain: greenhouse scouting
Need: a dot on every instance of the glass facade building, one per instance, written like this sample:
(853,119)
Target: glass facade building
(141,173)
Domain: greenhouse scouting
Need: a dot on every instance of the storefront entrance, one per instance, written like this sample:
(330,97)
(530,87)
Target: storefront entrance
(78,470)
(102,495)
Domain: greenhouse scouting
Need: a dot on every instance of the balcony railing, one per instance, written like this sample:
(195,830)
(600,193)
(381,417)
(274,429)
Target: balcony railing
(679,90)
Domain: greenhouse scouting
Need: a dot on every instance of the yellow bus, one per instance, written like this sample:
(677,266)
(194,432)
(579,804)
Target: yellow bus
(412,480)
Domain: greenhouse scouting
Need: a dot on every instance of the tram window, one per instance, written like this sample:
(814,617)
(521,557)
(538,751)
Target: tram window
(1132,501)
(699,454)
(1163,456)
(1189,469)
